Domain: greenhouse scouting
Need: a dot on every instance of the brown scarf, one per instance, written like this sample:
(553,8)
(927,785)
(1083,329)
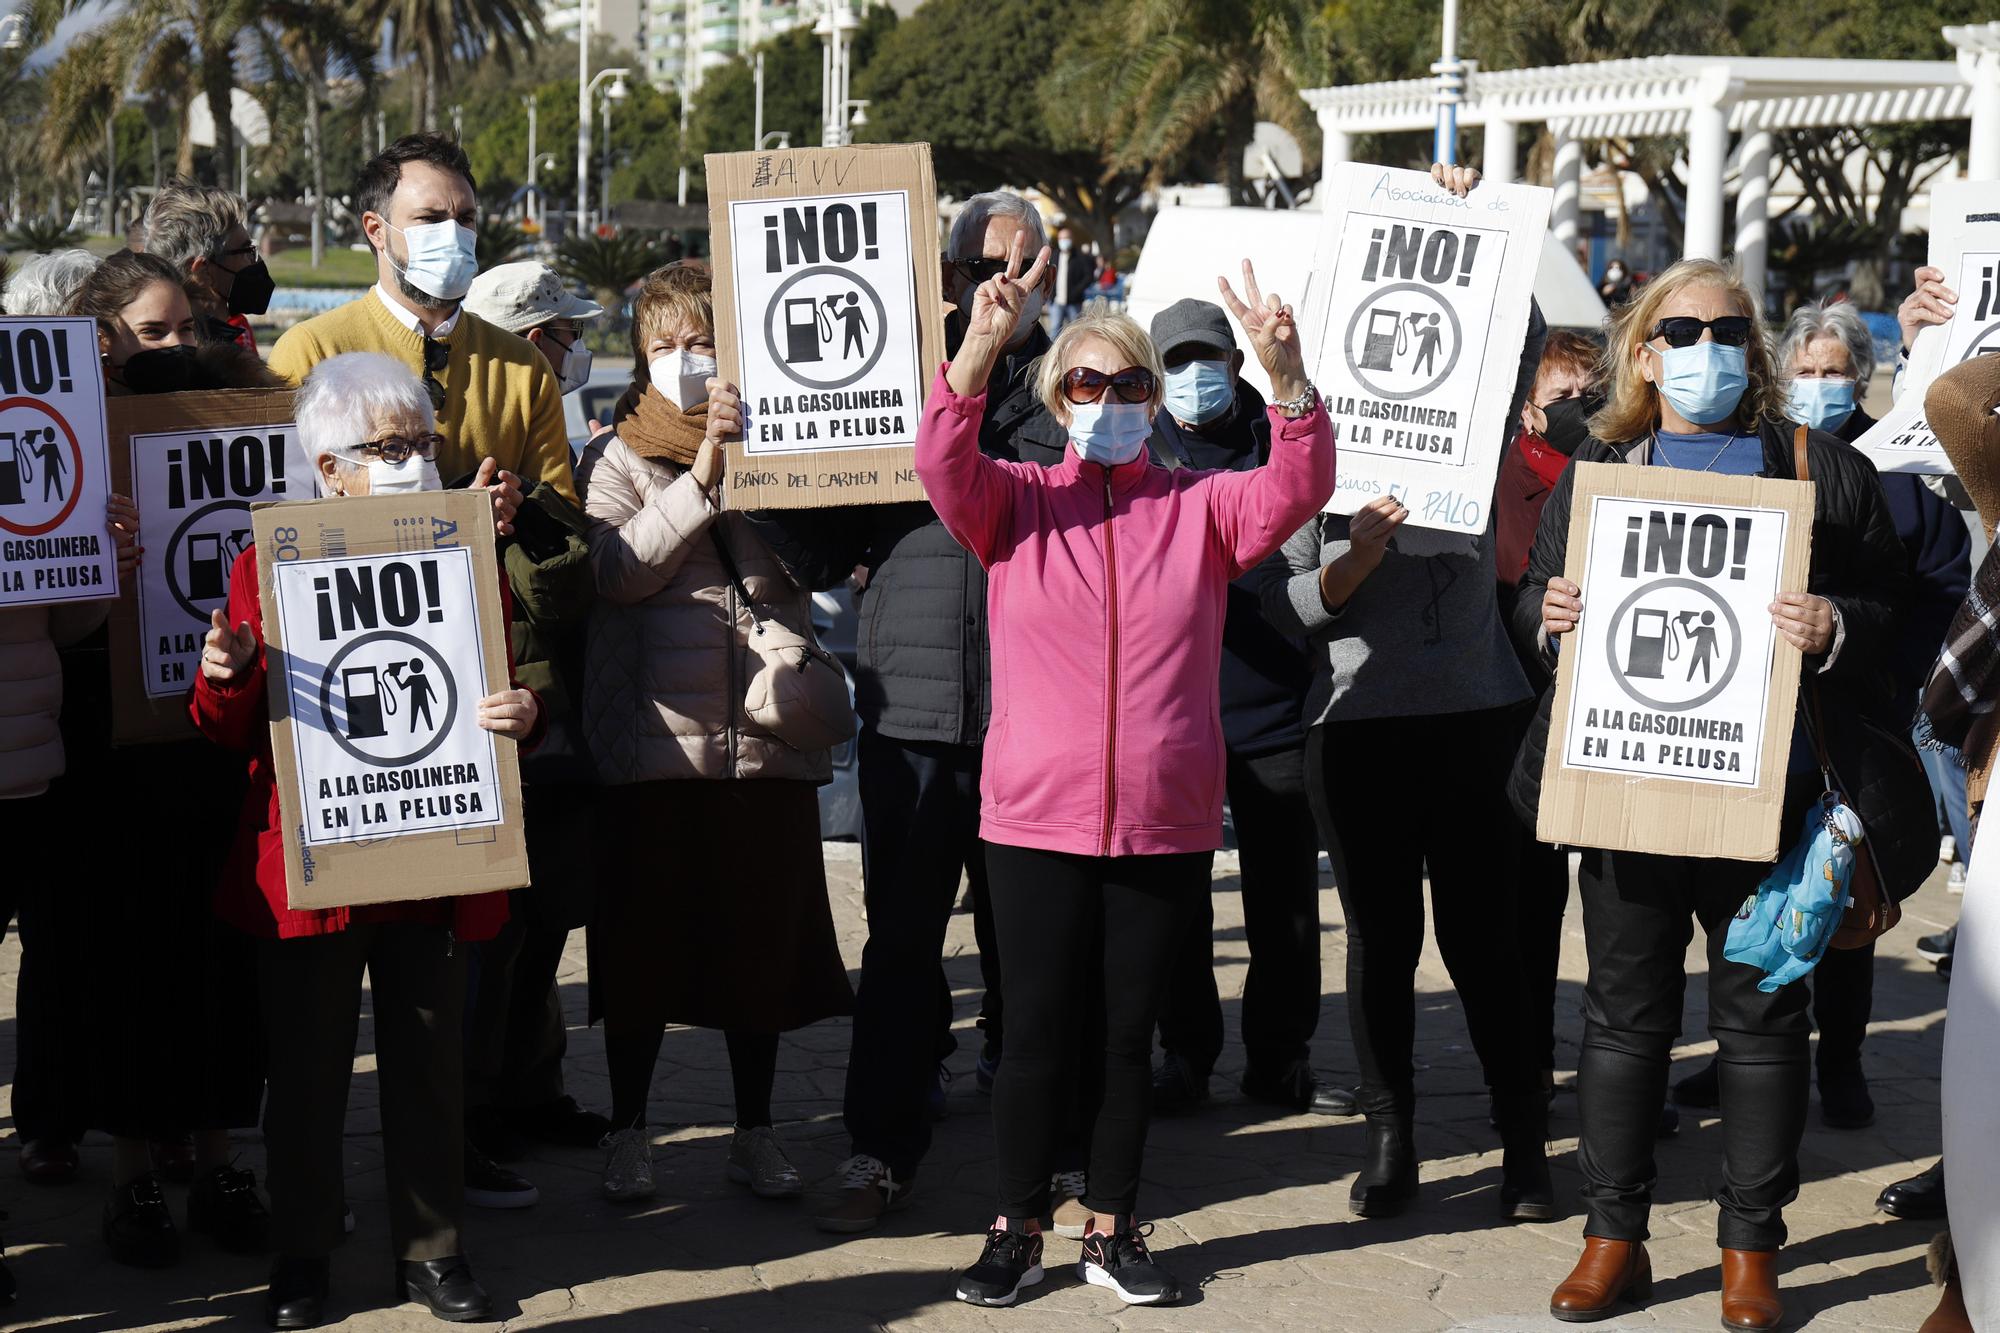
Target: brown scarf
(658,429)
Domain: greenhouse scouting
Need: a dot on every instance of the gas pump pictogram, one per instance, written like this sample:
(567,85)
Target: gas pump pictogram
(1674,644)
(19,452)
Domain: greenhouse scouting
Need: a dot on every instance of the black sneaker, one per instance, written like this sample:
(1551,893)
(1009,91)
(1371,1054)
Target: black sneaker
(137,1225)
(490,1185)
(1936,948)
(1844,1102)
(7,1287)
(223,1204)
(1011,1260)
(988,1067)
(1176,1086)
(1120,1261)
(560,1123)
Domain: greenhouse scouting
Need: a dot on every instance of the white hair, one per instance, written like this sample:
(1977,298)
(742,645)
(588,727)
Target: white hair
(968,229)
(48,284)
(346,394)
(1841,320)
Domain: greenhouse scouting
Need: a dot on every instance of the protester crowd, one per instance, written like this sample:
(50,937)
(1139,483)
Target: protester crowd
(1121,607)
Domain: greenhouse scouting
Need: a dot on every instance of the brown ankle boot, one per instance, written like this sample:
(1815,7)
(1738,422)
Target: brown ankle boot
(1750,1290)
(1610,1271)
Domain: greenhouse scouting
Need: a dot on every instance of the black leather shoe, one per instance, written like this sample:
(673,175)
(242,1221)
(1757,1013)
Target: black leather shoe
(1844,1102)
(1387,1183)
(297,1296)
(1526,1192)
(1176,1086)
(446,1286)
(1701,1089)
(1298,1088)
(137,1226)
(223,1203)
(1919,1197)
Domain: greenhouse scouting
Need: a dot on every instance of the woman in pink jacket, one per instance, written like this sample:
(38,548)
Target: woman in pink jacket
(1102,796)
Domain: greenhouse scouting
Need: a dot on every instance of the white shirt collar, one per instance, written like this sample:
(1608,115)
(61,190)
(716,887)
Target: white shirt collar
(409,321)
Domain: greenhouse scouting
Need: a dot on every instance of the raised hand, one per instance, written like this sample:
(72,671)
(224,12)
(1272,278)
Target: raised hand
(995,314)
(121,518)
(226,652)
(1931,303)
(1458,180)
(505,488)
(1273,331)
(725,422)
(510,712)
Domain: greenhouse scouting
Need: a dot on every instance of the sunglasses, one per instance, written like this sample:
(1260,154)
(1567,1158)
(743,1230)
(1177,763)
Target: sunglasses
(396,448)
(1685,330)
(1084,385)
(437,356)
(976,271)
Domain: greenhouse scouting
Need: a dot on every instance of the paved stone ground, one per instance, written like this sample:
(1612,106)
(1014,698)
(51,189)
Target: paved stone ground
(1252,1210)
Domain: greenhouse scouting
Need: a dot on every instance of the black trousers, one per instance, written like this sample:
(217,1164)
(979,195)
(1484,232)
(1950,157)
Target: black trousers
(1542,893)
(1639,913)
(52,1038)
(312,1011)
(1843,991)
(1278,846)
(920,817)
(1082,936)
(1397,797)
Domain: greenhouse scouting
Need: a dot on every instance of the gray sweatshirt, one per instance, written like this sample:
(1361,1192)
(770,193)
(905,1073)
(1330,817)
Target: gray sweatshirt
(1422,635)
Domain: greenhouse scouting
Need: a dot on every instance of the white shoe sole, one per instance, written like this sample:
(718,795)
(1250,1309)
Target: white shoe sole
(526,1198)
(741,1175)
(1097,1276)
(1028,1279)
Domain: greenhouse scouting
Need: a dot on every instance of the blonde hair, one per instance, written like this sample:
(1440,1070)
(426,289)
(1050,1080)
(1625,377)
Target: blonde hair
(669,298)
(1124,336)
(1631,405)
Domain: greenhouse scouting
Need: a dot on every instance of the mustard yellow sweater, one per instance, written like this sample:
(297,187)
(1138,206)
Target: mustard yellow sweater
(500,397)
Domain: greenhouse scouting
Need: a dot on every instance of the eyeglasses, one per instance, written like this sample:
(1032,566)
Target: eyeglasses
(976,271)
(1685,330)
(437,356)
(1081,384)
(396,448)
(237,253)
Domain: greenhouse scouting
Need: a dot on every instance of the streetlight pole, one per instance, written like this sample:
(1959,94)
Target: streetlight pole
(615,93)
(683,193)
(836,22)
(604,193)
(534,194)
(582,113)
(757,128)
(1450,71)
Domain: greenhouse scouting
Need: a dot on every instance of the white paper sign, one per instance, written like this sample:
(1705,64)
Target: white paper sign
(55,467)
(826,318)
(1415,319)
(1902,441)
(194,489)
(1676,640)
(383,669)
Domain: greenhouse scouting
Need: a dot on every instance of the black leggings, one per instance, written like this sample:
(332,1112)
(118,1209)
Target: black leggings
(1079,933)
(631,1054)
(1397,797)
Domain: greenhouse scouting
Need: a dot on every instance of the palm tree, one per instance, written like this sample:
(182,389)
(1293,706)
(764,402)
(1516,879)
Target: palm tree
(1151,81)
(308,39)
(435,32)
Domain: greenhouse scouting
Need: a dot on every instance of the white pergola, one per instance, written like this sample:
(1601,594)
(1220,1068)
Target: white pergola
(1707,98)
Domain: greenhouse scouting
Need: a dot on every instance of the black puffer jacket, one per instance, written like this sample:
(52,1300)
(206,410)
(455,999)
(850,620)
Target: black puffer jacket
(1857,563)
(922,673)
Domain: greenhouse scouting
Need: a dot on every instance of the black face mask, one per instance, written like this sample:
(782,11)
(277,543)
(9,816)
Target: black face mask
(160,370)
(1569,422)
(250,294)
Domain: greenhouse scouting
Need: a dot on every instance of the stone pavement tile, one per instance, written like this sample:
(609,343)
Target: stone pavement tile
(1250,1206)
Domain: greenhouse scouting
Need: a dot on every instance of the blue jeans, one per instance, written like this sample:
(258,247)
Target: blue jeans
(1061,314)
(1947,777)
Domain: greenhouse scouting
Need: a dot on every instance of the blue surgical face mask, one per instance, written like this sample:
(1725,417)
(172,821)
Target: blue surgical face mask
(1200,391)
(1109,433)
(1703,381)
(443,258)
(1824,403)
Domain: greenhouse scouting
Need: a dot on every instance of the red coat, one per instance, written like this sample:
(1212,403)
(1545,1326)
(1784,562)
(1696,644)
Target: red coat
(252,896)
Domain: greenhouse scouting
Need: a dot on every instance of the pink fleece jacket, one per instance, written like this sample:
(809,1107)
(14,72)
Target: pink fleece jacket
(1105,613)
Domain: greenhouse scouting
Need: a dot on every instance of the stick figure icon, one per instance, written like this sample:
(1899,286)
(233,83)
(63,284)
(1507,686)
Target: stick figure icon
(848,313)
(417,686)
(1701,640)
(1428,338)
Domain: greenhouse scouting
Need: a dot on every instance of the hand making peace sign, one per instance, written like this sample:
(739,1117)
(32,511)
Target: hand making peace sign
(995,314)
(1273,330)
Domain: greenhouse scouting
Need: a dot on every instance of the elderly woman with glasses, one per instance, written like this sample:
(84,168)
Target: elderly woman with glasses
(1691,384)
(366,422)
(1103,772)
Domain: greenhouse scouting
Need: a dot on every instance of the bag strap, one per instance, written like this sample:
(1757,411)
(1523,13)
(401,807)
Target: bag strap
(1802,470)
(1801,462)
(729,568)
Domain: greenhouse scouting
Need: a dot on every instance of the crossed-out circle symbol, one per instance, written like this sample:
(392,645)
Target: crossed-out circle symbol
(76,470)
(1722,609)
(333,672)
(777,304)
(175,545)
(1988,341)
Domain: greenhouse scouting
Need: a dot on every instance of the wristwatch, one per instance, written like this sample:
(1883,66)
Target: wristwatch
(1295,408)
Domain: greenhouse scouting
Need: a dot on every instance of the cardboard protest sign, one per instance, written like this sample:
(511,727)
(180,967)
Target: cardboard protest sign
(1675,695)
(1965,244)
(382,621)
(54,470)
(194,463)
(1415,317)
(828,318)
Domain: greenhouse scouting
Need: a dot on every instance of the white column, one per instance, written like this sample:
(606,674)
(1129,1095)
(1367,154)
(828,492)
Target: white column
(1566,217)
(1501,139)
(1336,146)
(1707,157)
(1753,242)
(1982,159)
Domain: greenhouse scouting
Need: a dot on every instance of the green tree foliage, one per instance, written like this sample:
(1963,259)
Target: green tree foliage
(607,265)
(498,240)
(439,34)
(961,74)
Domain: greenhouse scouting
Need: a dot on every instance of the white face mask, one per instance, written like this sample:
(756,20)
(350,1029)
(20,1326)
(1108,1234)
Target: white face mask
(411,475)
(681,377)
(576,367)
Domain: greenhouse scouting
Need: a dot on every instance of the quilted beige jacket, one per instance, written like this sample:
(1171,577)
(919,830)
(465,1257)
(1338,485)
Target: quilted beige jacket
(31,690)
(666,665)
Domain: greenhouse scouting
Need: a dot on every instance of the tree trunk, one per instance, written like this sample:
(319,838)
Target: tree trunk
(218,81)
(417,81)
(313,91)
(184,148)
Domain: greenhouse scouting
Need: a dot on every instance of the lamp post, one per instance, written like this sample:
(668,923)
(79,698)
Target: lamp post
(682,195)
(457,123)
(1450,71)
(835,24)
(757,121)
(586,84)
(529,105)
(784,138)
